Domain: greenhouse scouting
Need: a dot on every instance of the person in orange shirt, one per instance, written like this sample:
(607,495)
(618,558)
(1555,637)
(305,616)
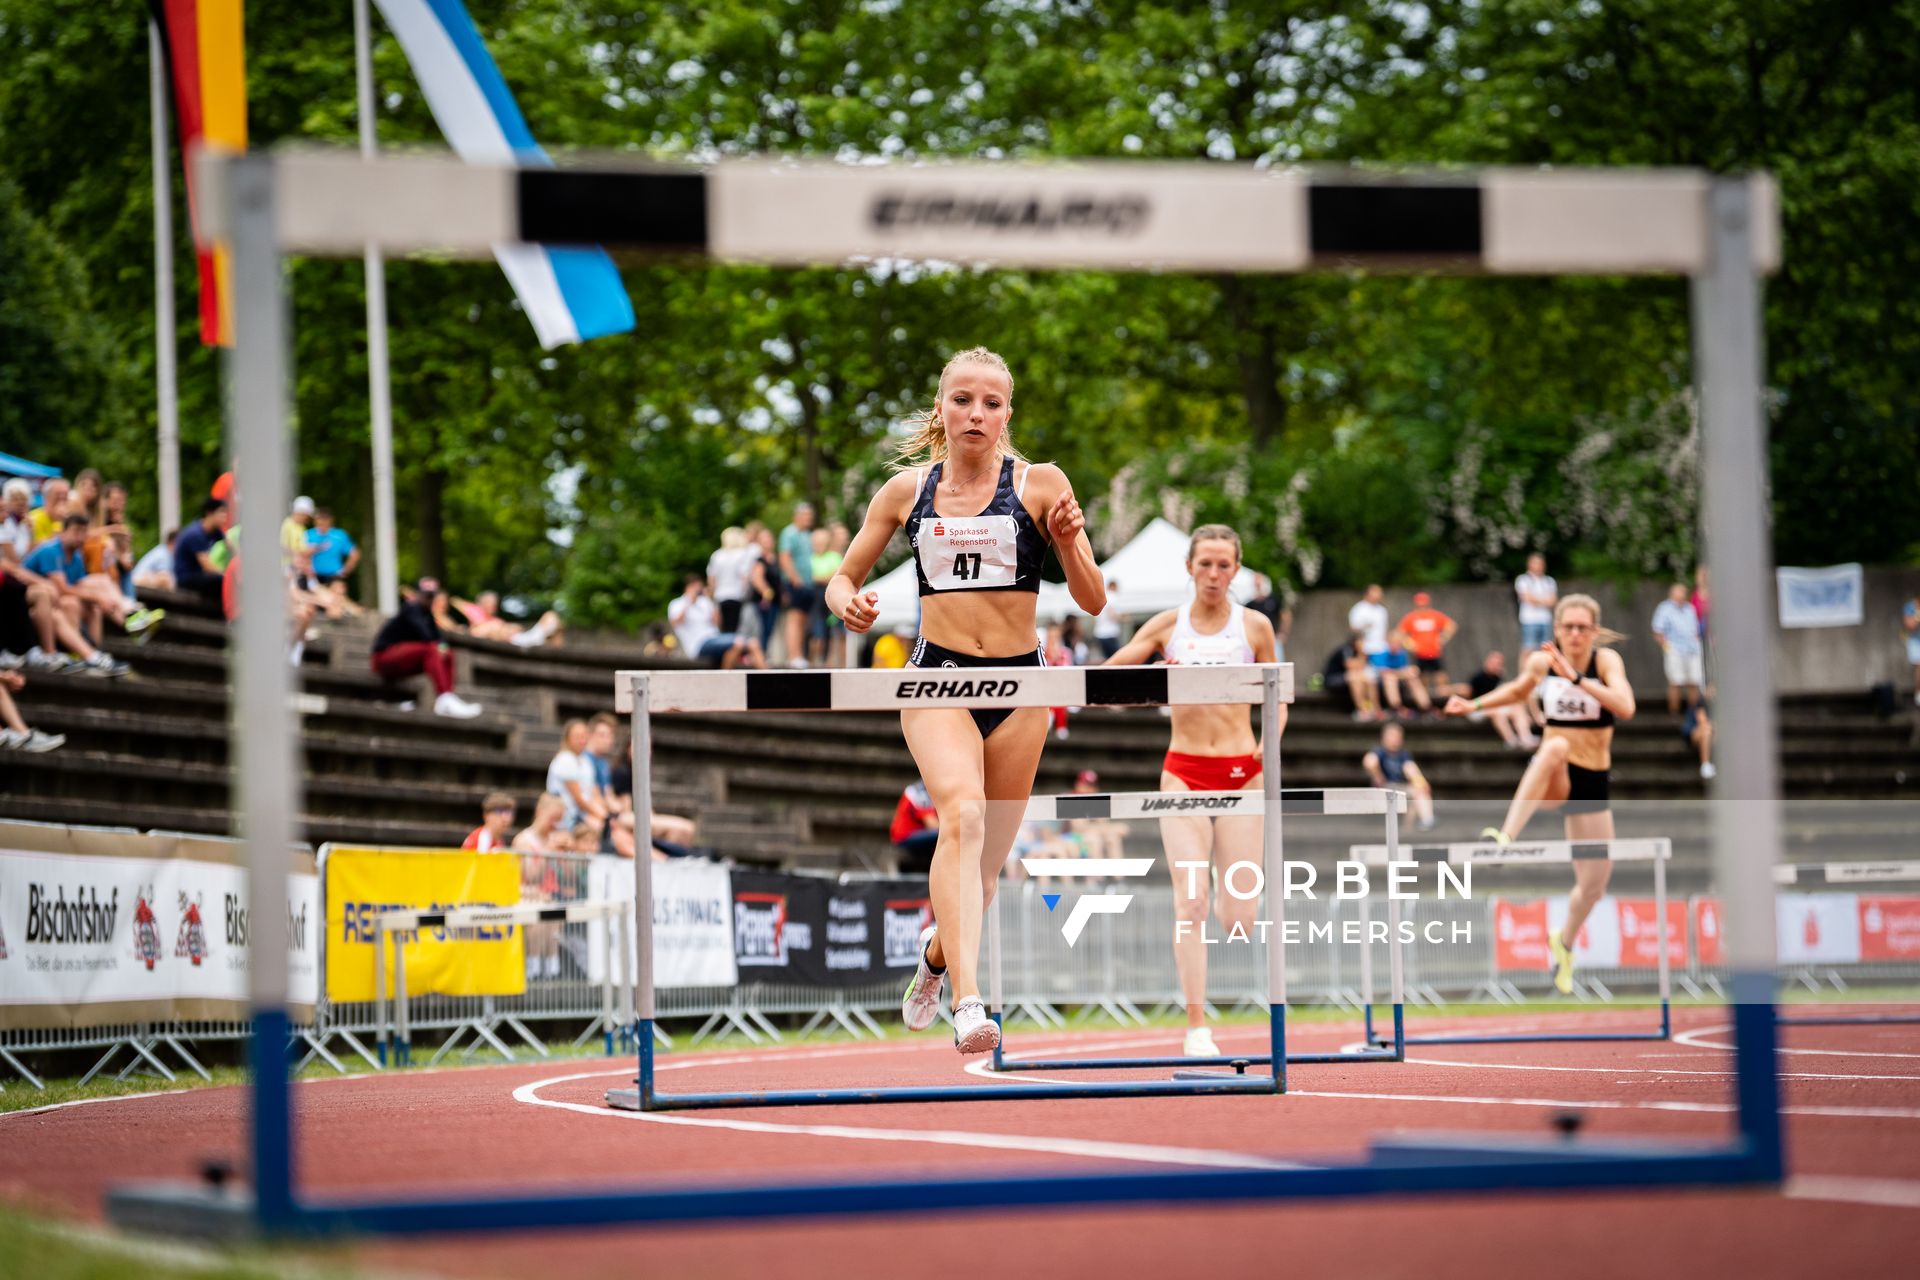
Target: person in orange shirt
(1427,631)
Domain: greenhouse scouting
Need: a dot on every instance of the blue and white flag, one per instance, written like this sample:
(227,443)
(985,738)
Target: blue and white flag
(569,293)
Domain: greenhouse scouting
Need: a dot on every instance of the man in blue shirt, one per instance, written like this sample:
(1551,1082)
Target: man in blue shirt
(796,571)
(62,562)
(334,555)
(193,568)
(1391,765)
(1677,629)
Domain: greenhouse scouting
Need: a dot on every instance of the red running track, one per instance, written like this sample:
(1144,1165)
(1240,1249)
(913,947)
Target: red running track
(1853,1125)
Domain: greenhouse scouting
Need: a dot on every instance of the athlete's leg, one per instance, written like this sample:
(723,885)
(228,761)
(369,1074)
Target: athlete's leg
(1545,780)
(1012,755)
(1590,875)
(1189,840)
(946,746)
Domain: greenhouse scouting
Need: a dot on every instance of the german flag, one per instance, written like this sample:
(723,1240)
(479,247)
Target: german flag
(206,64)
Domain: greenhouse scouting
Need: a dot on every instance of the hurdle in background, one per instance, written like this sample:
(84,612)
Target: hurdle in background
(1140,805)
(1846,873)
(648,693)
(1721,233)
(1529,853)
(614,1021)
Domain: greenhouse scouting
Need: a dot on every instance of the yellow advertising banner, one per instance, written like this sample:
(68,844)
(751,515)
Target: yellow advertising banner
(362,883)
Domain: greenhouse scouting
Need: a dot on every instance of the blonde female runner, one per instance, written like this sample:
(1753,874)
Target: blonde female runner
(980,518)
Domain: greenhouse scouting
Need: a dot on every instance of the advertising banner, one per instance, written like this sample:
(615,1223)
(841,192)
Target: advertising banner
(362,883)
(1889,927)
(1834,596)
(115,926)
(820,932)
(692,921)
(1640,933)
(1817,928)
(1620,933)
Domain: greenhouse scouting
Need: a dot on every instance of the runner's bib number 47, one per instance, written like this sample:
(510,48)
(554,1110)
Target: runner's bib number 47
(963,555)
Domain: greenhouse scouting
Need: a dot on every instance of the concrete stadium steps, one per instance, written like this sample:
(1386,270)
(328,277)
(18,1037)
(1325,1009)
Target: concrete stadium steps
(805,789)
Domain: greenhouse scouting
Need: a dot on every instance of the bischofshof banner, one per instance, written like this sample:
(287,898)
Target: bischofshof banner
(101,926)
(362,883)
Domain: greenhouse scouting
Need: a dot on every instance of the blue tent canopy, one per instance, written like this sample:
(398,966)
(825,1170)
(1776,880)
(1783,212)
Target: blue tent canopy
(12,466)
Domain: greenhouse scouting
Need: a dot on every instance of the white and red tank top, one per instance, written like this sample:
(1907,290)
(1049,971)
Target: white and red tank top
(1189,647)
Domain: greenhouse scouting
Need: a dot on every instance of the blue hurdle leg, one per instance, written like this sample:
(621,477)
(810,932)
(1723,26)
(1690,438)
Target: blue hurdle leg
(643,1032)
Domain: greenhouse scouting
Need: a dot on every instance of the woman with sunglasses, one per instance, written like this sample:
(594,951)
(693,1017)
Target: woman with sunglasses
(1583,686)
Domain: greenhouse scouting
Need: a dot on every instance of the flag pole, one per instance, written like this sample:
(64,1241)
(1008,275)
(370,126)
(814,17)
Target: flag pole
(165,334)
(379,389)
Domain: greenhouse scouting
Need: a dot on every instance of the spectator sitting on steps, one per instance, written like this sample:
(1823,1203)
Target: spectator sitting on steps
(1512,723)
(1697,729)
(672,834)
(334,555)
(540,880)
(1397,674)
(496,824)
(1348,675)
(410,644)
(916,827)
(63,563)
(483,622)
(193,567)
(695,623)
(14,733)
(1391,765)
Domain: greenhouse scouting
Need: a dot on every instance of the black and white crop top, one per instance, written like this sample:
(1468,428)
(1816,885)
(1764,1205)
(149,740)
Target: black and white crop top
(1001,549)
(1569,705)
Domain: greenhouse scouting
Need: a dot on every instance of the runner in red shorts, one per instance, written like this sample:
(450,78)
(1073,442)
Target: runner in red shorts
(1213,749)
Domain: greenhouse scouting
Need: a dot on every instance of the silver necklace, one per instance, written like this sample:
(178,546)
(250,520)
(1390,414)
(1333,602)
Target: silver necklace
(956,485)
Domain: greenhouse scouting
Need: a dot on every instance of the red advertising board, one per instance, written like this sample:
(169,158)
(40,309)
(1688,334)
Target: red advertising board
(1519,935)
(1640,933)
(1889,927)
(1708,925)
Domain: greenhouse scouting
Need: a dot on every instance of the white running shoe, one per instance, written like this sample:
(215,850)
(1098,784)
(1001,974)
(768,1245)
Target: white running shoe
(920,1006)
(973,1030)
(37,741)
(12,739)
(1707,770)
(11,661)
(452,704)
(1199,1044)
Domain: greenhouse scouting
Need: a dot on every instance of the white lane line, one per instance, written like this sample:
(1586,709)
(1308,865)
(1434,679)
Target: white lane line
(88,1102)
(1653,1071)
(1710,1108)
(1083,1147)
(1692,1040)
(1889,1193)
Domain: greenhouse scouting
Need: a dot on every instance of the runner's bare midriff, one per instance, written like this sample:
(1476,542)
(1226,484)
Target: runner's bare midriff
(1588,748)
(997,624)
(1213,731)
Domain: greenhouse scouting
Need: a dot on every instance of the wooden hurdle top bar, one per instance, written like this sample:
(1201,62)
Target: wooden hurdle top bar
(972,688)
(1520,852)
(1112,215)
(1128,805)
(1844,872)
(477,916)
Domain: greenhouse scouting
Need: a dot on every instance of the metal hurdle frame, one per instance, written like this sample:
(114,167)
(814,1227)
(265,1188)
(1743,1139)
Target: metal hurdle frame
(645,694)
(1143,805)
(1847,873)
(1720,233)
(1530,853)
(614,1022)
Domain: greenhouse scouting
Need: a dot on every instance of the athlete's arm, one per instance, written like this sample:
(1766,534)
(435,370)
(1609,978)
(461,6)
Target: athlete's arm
(1514,690)
(887,512)
(1260,635)
(1066,528)
(1145,643)
(1610,688)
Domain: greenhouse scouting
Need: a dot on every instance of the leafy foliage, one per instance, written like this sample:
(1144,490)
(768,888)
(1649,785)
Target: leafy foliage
(1354,428)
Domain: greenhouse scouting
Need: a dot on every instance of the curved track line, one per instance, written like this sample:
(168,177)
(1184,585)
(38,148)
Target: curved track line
(1083,1147)
(1888,1193)
(1654,1071)
(1691,1040)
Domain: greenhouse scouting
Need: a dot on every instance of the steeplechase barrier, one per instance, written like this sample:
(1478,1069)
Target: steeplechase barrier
(1536,853)
(1721,233)
(614,1015)
(1389,804)
(645,694)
